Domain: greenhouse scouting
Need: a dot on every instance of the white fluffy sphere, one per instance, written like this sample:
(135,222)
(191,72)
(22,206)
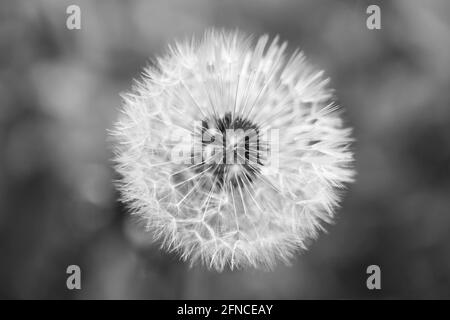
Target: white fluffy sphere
(175,136)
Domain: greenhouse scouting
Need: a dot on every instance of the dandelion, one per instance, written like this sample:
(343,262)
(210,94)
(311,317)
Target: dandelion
(219,197)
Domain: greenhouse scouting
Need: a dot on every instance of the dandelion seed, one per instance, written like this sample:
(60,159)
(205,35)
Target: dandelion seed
(233,153)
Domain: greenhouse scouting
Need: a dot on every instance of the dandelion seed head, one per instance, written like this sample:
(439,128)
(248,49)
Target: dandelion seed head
(232,152)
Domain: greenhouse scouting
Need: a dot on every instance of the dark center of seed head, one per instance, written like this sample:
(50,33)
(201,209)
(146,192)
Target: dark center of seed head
(231,150)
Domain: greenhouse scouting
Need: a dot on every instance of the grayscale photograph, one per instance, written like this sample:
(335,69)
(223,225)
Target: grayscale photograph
(224,150)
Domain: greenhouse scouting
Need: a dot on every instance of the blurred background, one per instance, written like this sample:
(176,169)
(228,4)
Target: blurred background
(59,93)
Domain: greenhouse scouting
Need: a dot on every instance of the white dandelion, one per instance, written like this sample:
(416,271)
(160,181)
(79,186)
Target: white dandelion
(219,197)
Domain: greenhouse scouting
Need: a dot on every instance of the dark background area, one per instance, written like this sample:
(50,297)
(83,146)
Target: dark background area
(59,93)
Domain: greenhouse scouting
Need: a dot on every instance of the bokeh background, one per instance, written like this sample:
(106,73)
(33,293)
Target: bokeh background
(59,93)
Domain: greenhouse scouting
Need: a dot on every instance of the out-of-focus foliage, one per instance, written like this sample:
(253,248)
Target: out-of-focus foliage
(59,93)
